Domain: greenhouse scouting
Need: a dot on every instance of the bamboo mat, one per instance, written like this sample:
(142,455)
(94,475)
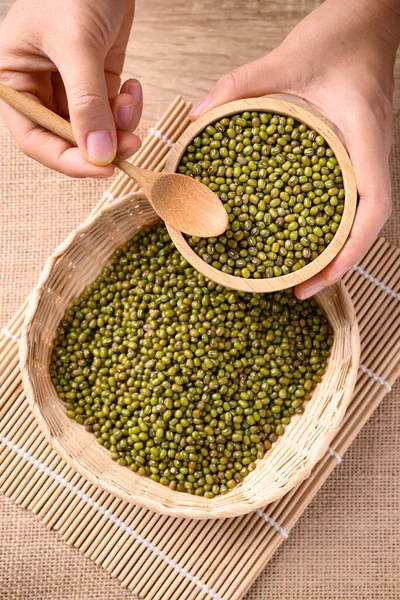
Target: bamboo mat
(173,559)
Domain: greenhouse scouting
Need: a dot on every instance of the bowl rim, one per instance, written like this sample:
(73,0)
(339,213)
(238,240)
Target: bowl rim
(283,107)
(206,509)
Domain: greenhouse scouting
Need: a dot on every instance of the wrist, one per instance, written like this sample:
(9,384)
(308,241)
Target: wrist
(378,18)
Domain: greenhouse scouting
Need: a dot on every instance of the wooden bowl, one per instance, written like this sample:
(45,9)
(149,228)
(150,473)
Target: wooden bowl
(300,114)
(72,267)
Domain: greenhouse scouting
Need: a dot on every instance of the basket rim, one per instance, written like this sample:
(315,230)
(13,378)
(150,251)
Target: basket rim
(207,509)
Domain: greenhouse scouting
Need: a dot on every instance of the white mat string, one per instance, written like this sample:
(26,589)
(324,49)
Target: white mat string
(385,288)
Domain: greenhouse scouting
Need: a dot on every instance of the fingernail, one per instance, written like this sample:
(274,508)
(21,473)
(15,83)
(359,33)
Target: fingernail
(100,147)
(125,115)
(135,90)
(201,106)
(336,275)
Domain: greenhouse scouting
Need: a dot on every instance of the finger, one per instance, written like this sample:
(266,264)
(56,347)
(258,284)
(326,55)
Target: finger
(49,149)
(127,106)
(134,89)
(369,154)
(60,102)
(87,93)
(128,144)
(263,76)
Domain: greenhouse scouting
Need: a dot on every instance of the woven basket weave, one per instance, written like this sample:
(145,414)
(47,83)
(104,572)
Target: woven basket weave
(73,266)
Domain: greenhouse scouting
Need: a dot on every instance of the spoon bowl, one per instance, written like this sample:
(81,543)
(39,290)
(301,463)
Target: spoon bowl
(191,206)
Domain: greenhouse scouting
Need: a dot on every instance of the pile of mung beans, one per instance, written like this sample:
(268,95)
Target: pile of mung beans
(281,186)
(181,379)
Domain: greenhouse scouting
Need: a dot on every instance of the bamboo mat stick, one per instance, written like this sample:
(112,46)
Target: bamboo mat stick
(91,545)
(51,514)
(386,307)
(60,513)
(352,278)
(11,379)
(40,492)
(146,569)
(136,519)
(87,538)
(17,425)
(235,550)
(19,429)
(74,505)
(209,551)
(373,354)
(12,397)
(195,534)
(87,522)
(152,577)
(204,537)
(132,517)
(25,485)
(207,539)
(122,557)
(77,510)
(67,507)
(71,532)
(149,527)
(45,502)
(240,559)
(371,302)
(12,479)
(127,514)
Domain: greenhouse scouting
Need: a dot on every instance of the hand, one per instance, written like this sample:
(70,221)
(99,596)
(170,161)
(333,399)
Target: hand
(69,54)
(340,59)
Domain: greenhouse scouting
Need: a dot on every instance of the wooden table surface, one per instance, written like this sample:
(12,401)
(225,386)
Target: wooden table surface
(183,47)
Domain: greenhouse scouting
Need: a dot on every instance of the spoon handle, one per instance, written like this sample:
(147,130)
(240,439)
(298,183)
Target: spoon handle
(37,113)
(43,116)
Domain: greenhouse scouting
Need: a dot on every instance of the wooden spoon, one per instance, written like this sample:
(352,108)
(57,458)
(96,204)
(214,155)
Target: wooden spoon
(182,202)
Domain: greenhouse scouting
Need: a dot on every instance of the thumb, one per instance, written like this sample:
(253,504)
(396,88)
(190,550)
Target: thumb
(89,108)
(257,78)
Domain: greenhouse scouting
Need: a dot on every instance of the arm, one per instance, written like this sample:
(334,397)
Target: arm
(69,54)
(340,59)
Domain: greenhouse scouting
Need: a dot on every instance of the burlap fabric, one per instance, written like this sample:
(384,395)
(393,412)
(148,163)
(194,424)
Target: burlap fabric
(345,547)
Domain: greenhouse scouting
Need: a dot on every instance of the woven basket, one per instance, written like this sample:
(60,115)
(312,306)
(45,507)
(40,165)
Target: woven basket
(74,265)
